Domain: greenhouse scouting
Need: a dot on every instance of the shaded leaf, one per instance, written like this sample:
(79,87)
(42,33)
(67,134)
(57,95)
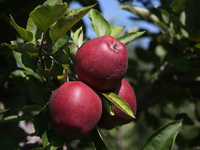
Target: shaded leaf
(97,139)
(60,44)
(29,108)
(182,64)
(66,22)
(7,143)
(128,38)
(25,34)
(3,111)
(44,16)
(120,103)
(37,91)
(99,23)
(164,137)
(28,48)
(50,137)
(143,13)
(176,5)
(24,61)
(41,121)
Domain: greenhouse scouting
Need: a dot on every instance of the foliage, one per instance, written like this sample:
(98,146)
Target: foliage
(165,77)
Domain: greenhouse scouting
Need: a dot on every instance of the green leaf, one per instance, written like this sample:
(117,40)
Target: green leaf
(77,37)
(28,48)
(182,64)
(66,22)
(107,104)
(53,2)
(30,108)
(44,16)
(115,31)
(13,118)
(97,139)
(25,34)
(7,143)
(100,24)
(62,57)
(3,111)
(176,5)
(71,49)
(143,13)
(24,61)
(60,44)
(41,121)
(120,103)
(163,138)
(50,137)
(197,45)
(130,37)
(35,31)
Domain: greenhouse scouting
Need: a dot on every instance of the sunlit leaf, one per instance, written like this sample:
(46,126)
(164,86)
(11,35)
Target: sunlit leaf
(66,22)
(71,49)
(130,37)
(25,34)
(115,31)
(33,28)
(53,2)
(44,16)
(14,118)
(77,37)
(120,103)
(163,138)
(99,23)
(107,104)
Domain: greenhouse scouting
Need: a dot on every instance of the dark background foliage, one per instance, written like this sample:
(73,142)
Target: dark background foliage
(165,77)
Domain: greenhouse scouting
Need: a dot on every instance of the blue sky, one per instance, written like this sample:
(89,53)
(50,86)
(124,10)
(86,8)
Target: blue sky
(118,17)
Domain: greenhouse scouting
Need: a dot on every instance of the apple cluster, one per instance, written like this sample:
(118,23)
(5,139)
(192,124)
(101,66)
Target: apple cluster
(75,107)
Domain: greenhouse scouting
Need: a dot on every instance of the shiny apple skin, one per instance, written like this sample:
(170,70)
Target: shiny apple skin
(125,91)
(101,62)
(74,109)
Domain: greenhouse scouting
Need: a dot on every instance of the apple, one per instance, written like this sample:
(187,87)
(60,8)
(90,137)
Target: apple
(101,62)
(125,91)
(74,110)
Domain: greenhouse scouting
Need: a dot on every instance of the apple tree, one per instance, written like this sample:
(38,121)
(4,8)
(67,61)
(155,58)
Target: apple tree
(165,77)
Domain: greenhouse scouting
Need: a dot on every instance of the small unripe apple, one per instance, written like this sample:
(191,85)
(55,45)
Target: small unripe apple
(101,62)
(74,109)
(125,91)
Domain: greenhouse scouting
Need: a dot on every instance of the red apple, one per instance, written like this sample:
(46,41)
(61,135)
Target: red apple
(101,62)
(74,109)
(125,91)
